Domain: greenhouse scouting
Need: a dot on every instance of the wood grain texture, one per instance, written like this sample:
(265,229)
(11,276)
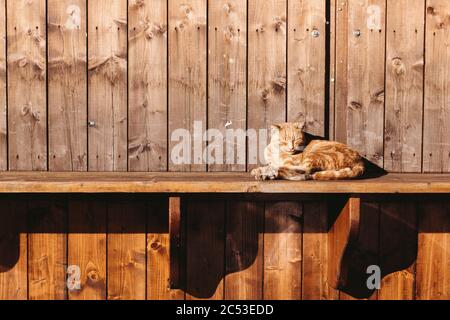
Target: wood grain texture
(332,72)
(341,91)
(158,252)
(67,85)
(227,54)
(147,87)
(107,85)
(187,82)
(13,249)
(398,250)
(205,250)
(244,251)
(182,183)
(436,143)
(126,250)
(27,99)
(306,65)
(283,251)
(404,85)
(315,283)
(3,86)
(47,249)
(433,258)
(87,247)
(364,107)
(266,68)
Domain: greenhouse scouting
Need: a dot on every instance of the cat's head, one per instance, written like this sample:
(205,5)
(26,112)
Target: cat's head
(289,136)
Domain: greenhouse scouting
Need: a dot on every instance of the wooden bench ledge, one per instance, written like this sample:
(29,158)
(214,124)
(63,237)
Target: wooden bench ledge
(47,182)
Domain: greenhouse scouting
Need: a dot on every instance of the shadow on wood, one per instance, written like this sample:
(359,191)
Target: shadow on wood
(226,247)
(383,235)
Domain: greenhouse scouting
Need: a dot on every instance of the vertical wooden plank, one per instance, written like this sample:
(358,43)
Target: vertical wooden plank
(13,249)
(3,102)
(365,254)
(158,253)
(126,250)
(47,249)
(67,85)
(107,85)
(341,92)
(87,247)
(147,87)
(332,73)
(398,250)
(404,82)
(227,81)
(436,143)
(433,258)
(364,107)
(283,251)
(187,83)
(266,67)
(27,101)
(205,249)
(227,56)
(306,65)
(315,285)
(244,250)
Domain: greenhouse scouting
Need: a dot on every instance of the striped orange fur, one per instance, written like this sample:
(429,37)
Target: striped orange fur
(288,158)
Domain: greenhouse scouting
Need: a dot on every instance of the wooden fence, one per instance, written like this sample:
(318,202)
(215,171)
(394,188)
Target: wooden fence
(236,249)
(102,85)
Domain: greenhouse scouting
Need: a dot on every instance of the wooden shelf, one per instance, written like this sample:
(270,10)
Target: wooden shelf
(181,183)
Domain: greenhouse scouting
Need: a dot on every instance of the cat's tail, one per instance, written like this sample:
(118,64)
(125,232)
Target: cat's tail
(347,173)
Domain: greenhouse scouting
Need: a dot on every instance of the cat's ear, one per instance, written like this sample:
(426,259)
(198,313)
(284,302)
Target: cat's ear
(275,129)
(301,125)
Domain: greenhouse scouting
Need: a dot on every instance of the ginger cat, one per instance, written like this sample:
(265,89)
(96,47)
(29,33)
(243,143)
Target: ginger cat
(289,159)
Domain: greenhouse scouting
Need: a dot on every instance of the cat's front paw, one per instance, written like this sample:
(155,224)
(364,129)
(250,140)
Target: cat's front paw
(265,173)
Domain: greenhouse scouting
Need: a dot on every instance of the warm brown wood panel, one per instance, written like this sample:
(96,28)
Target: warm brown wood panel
(332,71)
(87,249)
(47,249)
(306,66)
(126,250)
(107,85)
(315,283)
(436,143)
(158,252)
(13,249)
(266,69)
(404,85)
(27,98)
(205,249)
(227,82)
(67,85)
(236,183)
(433,258)
(364,53)
(283,251)
(341,70)
(147,87)
(398,250)
(187,83)
(244,250)
(3,126)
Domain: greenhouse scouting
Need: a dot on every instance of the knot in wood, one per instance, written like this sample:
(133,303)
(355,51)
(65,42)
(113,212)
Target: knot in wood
(93,274)
(155,245)
(398,67)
